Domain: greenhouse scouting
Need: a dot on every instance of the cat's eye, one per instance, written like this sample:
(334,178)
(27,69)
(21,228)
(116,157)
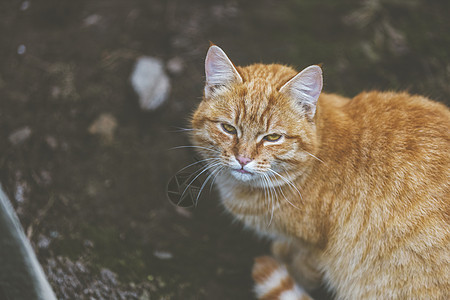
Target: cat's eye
(272,137)
(228,128)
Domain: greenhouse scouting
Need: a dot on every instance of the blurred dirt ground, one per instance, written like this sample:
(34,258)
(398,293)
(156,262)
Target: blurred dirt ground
(93,204)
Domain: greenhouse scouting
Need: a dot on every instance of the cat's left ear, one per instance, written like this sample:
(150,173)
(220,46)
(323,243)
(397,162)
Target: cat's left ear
(219,70)
(305,88)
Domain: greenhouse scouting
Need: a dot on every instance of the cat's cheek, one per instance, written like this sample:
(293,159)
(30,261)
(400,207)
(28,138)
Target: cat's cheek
(227,159)
(286,152)
(204,140)
(211,136)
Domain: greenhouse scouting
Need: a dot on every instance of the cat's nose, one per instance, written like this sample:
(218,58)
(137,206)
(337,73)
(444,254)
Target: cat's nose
(243,160)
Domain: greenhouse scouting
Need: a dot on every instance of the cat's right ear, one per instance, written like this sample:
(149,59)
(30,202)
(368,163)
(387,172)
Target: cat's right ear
(219,70)
(305,88)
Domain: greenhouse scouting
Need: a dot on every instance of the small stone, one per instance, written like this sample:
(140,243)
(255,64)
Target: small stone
(21,49)
(21,192)
(161,282)
(144,296)
(55,91)
(54,234)
(164,255)
(51,142)
(51,263)
(185,212)
(109,276)
(44,178)
(43,242)
(175,65)
(92,20)
(104,126)
(25,5)
(150,82)
(88,244)
(20,135)
(81,267)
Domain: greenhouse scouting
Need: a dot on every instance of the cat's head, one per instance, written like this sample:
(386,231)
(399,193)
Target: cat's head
(256,123)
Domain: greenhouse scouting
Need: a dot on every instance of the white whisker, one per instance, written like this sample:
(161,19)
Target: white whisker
(204,183)
(273,196)
(265,186)
(287,181)
(199,147)
(181,129)
(314,156)
(215,176)
(197,162)
(284,196)
(203,170)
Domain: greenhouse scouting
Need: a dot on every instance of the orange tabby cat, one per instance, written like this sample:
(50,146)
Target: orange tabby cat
(354,192)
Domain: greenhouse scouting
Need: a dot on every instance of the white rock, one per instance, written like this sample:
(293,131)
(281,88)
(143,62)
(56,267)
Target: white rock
(150,82)
(20,135)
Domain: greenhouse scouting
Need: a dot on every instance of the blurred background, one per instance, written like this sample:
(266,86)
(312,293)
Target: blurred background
(87,166)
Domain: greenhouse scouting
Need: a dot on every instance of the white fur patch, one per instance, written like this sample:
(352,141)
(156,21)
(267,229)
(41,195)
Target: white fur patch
(273,281)
(295,293)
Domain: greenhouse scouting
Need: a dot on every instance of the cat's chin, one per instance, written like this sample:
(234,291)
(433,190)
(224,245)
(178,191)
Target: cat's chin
(242,176)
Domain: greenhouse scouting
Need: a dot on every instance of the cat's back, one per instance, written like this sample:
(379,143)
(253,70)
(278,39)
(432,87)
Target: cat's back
(381,128)
(398,145)
(393,152)
(384,132)
(398,112)
(401,131)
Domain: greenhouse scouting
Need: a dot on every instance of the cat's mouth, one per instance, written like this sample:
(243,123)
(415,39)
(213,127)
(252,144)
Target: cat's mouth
(242,175)
(242,171)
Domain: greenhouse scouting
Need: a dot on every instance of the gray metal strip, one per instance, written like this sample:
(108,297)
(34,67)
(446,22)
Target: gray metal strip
(21,275)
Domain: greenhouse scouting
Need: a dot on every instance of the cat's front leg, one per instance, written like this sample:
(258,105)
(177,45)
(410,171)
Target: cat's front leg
(301,262)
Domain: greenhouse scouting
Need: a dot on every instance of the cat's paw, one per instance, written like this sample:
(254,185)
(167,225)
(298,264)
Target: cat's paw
(273,282)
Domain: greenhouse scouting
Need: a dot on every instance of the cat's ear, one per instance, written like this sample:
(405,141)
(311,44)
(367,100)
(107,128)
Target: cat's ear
(305,88)
(219,70)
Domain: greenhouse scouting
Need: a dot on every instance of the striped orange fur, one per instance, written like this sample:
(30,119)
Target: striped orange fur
(355,193)
(273,282)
